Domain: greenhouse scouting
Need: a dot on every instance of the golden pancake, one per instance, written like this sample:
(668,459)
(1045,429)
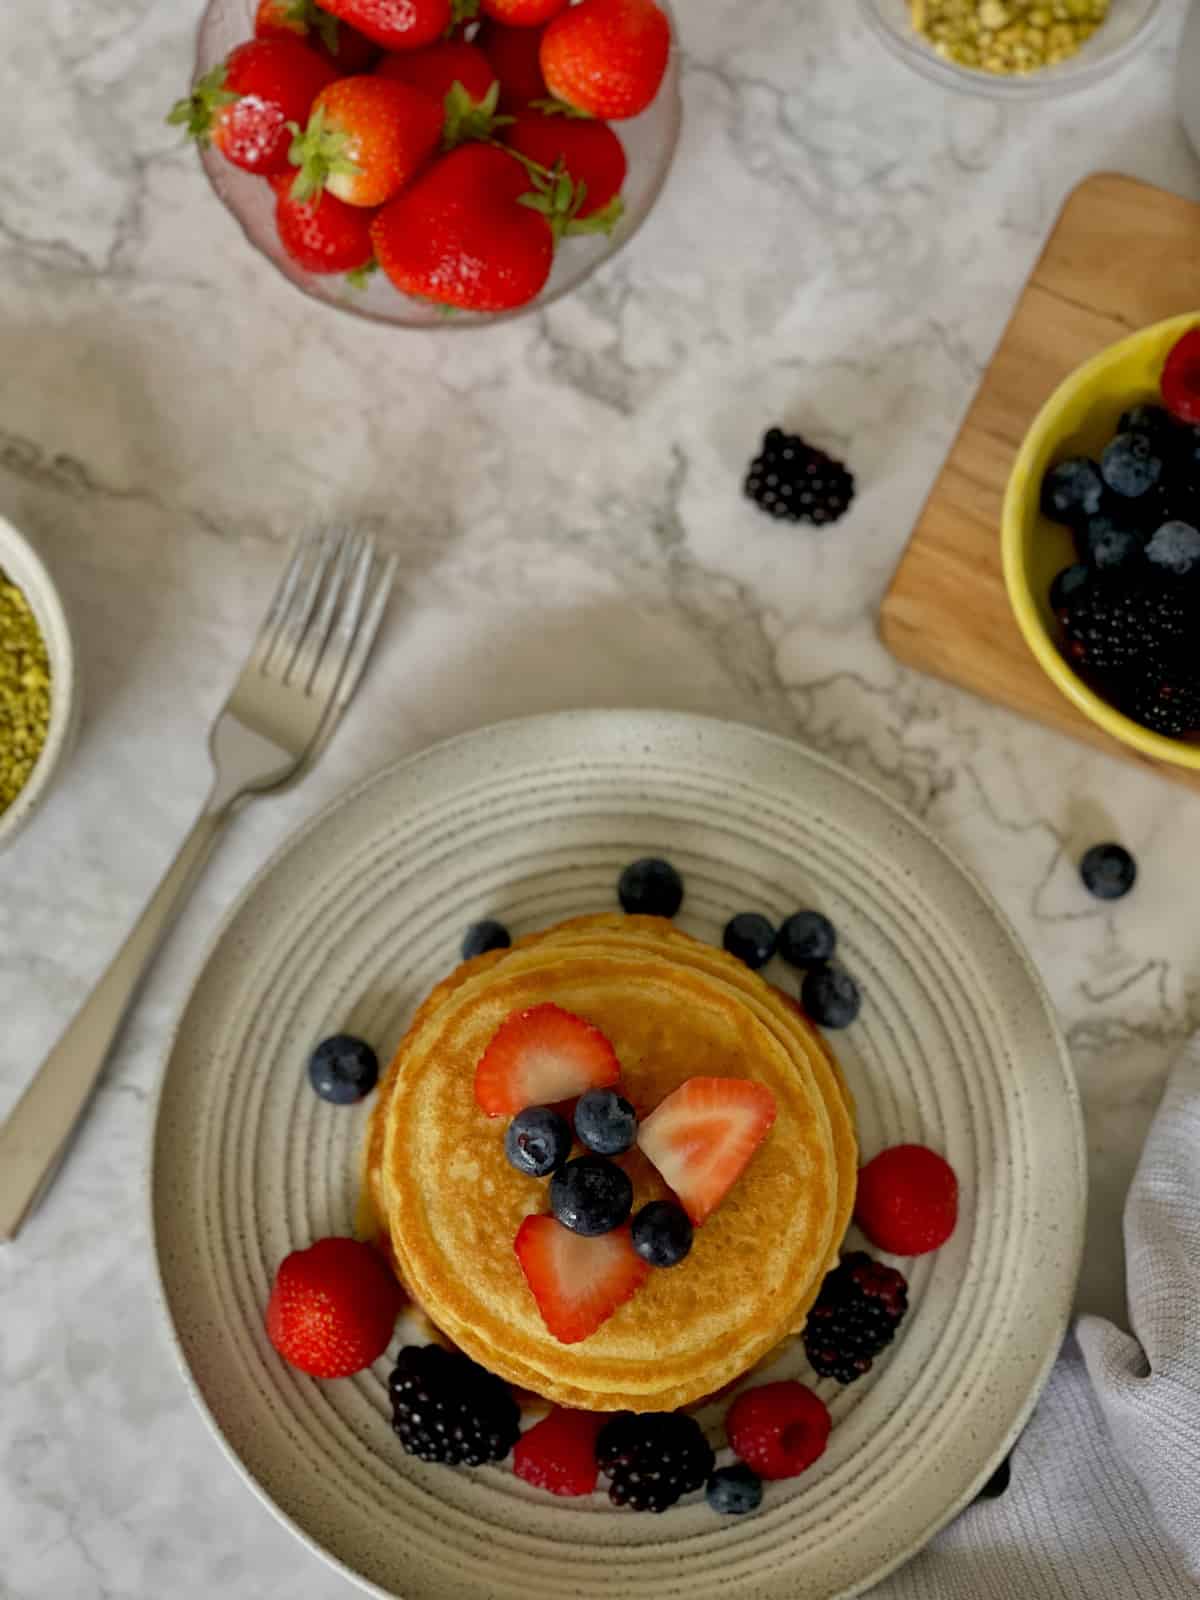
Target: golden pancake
(450,1204)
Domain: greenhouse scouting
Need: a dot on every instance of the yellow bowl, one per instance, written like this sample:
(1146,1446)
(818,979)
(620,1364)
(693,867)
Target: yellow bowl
(1079,419)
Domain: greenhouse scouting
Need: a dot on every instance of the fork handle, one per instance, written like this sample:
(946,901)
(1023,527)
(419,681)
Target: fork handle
(35,1136)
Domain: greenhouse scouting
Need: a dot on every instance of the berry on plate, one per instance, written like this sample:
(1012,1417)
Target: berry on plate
(589,152)
(605,1122)
(1108,871)
(1181,378)
(577,1282)
(830,996)
(366,139)
(779,1429)
(734,1491)
(807,939)
(522,13)
(591,1195)
(482,937)
(907,1200)
(750,937)
(340,45)
(343,1069)
(333,1308)
(662,1233)
(446,1408)
(515,54)
(400,24)
(465,235)
(653,1459)
(702,1136)
(793,481)
(540,1056)
(859,1308)
(650,888)
(538,1141)
(607,58)
(559,1452)
(245,105)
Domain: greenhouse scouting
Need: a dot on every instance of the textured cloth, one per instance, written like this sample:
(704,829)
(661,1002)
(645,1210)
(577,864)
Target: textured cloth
(1104,1502)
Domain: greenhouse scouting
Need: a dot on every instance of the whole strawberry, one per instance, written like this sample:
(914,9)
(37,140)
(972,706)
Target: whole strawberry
(403,24)
(607,57)
(522,13)
(323,235)
(459,78)
(589,152)
(339,44)
(462,235)
(245,105)
(515,55)
(365,140)
(333,1308)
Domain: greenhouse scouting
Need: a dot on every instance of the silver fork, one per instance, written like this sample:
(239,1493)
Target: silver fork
(305,665)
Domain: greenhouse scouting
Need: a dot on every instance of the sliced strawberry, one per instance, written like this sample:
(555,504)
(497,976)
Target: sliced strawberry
(701,1138)
(578,1282)
(559,1452)
(539,1056)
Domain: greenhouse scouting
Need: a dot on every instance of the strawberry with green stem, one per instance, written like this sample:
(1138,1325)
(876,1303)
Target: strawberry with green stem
(247,105)
(404,24)
(342,46)
(460,79)
(515,57)
(365,140)
(588,152)
(607,58)
(324,235)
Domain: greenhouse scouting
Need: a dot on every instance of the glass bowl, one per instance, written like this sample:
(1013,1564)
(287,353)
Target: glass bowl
(649,141)
(1129,26)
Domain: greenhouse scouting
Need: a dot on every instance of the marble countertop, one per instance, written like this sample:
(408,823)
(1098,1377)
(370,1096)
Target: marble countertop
(838,249)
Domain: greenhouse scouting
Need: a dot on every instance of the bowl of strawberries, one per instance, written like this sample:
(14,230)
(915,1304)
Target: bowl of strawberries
(436,162)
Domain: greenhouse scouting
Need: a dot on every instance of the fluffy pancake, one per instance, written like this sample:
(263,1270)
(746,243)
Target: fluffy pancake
(450,1204)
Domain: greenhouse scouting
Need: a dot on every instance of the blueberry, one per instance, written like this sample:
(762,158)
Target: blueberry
(807,939)
(662,1233)
(1072,491)
(605,1122)
(1130,465)
(343,1069)
(998,1483)
(830,996)
(751,938)
(1105,544)
(1069,582)
(1155,422)
(483,936)
(650,888)
(734,1491)
(1175,548)
(538,1141)
(590,1195)
(1108,871)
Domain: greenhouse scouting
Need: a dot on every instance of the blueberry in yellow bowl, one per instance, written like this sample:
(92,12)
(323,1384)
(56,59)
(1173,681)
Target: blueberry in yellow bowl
(1101,540)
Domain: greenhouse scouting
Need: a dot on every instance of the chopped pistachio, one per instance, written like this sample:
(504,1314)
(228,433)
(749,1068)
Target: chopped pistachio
(1007,36)
(24,692)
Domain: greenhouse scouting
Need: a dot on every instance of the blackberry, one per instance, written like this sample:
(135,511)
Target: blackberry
(1109,628)
(1164,703)
(796,482)
(653,1459)
(445,1408)
(858,1310)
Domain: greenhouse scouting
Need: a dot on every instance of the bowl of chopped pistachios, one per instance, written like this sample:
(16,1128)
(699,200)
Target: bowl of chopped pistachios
(1013,49)
(38,700)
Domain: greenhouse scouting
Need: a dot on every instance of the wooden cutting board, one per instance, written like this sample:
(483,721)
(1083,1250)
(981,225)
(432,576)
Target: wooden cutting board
(1122,254)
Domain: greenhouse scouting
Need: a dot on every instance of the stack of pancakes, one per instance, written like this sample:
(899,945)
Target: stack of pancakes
(450,1205)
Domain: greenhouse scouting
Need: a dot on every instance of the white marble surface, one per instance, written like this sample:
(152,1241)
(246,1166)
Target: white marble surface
(838,249)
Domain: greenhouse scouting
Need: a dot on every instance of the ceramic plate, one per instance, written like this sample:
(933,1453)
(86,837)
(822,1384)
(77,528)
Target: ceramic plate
(531,821)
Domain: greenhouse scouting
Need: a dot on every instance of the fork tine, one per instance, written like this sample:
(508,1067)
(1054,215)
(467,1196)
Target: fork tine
(295,620)
(328,671)
(308,656)
(356,661)
(280,601)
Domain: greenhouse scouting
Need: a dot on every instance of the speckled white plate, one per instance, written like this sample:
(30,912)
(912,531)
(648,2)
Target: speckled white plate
(531,821)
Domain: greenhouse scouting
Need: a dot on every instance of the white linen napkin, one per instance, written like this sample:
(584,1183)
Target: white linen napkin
(1104,1501)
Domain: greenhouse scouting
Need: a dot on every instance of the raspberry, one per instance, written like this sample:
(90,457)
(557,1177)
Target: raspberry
(559,1452)
(779,1429)
(907,1200)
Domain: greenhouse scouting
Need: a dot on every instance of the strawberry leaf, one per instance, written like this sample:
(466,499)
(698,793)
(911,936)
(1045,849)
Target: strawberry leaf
(549,107)
(469,119)
(603,221)
(319,152)
(361,276)
(197,111)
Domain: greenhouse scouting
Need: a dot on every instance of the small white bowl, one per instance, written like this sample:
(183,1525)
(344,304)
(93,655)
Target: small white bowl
(20,562)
